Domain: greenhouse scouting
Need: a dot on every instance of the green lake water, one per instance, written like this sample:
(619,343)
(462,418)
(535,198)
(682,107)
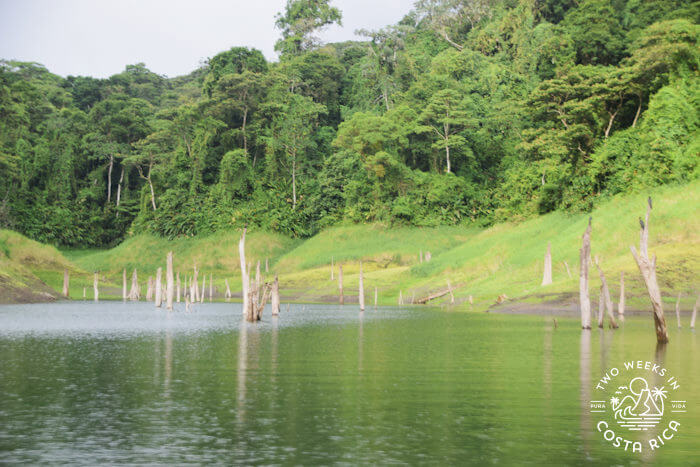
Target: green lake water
(85,383)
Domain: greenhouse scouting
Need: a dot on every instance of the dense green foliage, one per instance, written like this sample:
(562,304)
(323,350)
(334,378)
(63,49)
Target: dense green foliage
(465,111)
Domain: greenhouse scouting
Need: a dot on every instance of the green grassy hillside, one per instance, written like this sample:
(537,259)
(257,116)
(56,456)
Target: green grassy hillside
(506,259)
(24,267)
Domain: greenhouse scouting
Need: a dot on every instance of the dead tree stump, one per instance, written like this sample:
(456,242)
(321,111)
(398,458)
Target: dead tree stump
(124,284)
(275,299)
(606,294)
(95,281)
(66,280)
(159,287)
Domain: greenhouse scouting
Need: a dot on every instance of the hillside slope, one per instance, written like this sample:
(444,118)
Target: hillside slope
(506,259)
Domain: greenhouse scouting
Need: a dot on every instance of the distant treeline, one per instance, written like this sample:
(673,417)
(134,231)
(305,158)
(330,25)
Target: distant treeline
(464,111)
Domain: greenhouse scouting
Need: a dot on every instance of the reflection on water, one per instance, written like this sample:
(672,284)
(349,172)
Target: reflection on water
(124,383)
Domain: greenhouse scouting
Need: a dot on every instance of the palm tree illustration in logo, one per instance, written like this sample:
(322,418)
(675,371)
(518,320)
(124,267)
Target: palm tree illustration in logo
(640,409)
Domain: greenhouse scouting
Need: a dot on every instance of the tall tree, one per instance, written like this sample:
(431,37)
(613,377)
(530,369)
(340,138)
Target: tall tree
(300,20)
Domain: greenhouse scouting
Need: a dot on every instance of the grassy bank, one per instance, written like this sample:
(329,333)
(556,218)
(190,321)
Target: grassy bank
(506,259)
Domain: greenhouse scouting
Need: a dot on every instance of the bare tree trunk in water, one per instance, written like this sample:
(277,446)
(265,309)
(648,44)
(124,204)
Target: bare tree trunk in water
(584,297)
(361,295)
(96,292)
(275,300)
(169,282)
(648,269)
(159,287)
(244,274)
(65,283)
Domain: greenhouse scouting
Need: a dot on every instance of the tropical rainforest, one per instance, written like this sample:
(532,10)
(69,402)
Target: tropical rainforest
(466,111)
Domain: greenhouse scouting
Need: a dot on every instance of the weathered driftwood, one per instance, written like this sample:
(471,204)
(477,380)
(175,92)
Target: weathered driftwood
(695,312)
(584,298)
(177,287)
(159,287)
(433,296)
(678,310)
(647,268)
(228,289)
(169,282)
(547,273)
(95,284)
(135,291)
(449,288)
(245,286)
(621,302)
(275,297)
(340,283)
(124,284)
(211,287)
(361,291)
(66,279)
(606,295)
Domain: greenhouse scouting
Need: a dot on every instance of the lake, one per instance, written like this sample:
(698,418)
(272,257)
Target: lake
(86,383)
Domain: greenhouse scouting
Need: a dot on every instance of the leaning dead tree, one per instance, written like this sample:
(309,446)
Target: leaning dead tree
(585,258)
(65,283)
(606,296)
(647,268)
(169,282)
(547,273)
